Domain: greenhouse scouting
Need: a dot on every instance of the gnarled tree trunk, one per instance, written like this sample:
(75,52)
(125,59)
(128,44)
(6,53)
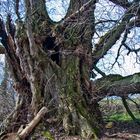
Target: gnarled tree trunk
(41,80)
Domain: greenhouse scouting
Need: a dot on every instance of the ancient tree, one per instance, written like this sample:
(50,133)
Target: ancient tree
(51,64)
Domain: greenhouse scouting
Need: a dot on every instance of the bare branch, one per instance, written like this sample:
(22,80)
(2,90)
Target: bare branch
(116,85)
(74,16)
(136,104)
(118,54)
(105,21)
(124,101)
(99,71)
(38,11)
(28,129)
(22,134)
(17,9)
(10,26)
(123,3)
(74,6)
(110,38)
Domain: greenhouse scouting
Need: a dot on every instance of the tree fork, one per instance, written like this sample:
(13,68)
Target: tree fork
(49,82)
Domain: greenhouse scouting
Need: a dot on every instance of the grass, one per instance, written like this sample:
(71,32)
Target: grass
(122,117)
(114,110)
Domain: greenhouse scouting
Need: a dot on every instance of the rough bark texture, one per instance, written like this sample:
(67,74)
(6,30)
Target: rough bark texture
(51,64)
(116,85)
(40,81)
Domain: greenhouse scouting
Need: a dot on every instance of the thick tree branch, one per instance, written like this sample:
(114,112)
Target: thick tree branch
(9,45)
(99,71)
(74,16)
(116,85)
(110,38)
(16,2)
(10,26)
(74,6)
(78,28)
(136,104)
(36,10)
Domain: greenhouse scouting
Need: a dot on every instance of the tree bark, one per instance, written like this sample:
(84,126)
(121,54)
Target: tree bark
(40,81)
(115,85)
(62,85)
(106,41)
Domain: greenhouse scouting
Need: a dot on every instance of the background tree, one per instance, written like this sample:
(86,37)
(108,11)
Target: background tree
(51,62)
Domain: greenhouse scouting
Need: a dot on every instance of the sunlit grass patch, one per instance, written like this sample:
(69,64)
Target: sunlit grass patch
(122,117)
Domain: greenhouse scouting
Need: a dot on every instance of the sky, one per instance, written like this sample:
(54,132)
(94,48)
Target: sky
(57,8)
(1,67)
(106,10)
